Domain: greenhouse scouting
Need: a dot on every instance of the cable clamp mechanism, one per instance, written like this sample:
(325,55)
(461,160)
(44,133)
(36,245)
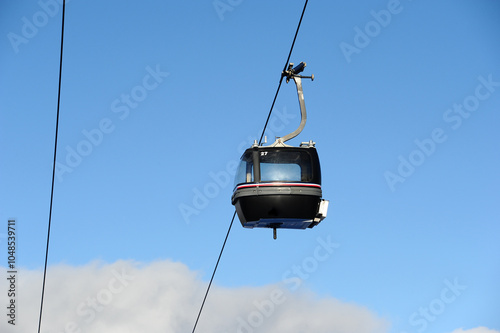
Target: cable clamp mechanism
(292,72)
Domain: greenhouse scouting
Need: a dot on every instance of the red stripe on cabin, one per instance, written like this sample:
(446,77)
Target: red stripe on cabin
(279,184)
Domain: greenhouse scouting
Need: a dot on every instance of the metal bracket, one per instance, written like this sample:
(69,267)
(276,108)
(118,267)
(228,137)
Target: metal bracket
(293,73)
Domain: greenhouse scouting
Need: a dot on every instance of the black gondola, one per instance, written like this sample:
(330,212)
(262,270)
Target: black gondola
(279,186)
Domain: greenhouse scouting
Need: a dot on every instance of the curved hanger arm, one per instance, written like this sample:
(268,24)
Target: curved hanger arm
(293,73)
(303,113)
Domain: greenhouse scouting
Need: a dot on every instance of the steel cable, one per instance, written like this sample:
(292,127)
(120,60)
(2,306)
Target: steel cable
(53,167)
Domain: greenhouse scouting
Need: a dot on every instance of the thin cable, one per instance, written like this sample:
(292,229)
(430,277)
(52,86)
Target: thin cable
(284,69)
(213,274)
(295,37)
(53,168)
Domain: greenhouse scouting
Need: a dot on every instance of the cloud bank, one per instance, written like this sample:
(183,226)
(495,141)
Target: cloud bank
(476,330)
(165,296)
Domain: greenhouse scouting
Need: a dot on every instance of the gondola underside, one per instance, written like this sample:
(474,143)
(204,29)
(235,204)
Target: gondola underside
(281,210)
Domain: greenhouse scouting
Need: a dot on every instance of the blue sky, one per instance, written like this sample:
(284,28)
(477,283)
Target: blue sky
(158,101)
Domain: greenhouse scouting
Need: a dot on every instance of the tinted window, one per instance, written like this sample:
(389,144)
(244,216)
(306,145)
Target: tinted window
(279,172)
(280,164)
(285,165)
(244,173)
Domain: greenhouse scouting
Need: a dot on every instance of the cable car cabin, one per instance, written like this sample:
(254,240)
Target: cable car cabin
(279,187)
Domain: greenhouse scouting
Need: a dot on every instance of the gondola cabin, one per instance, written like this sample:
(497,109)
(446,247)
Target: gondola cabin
(279,187)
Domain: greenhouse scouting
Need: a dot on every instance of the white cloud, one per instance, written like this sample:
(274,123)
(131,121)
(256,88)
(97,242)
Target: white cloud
(165,296)
(476,330)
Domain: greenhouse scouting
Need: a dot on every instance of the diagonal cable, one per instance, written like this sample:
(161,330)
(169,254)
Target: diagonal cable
(53,168)
(213,274)
(284,69)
